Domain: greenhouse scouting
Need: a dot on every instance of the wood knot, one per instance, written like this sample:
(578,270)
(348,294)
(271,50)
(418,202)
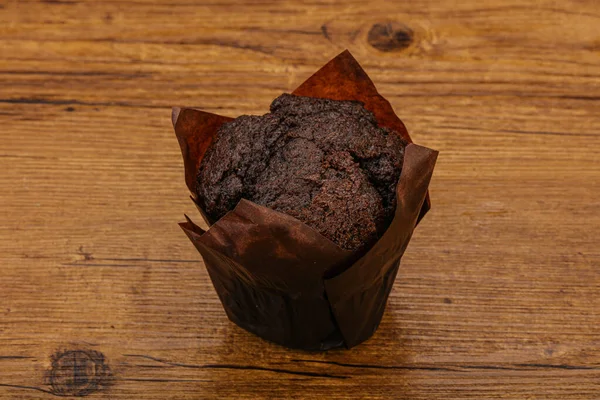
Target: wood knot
(390,37)
(78,372)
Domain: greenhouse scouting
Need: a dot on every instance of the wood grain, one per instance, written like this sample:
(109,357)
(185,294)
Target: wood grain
(497,295)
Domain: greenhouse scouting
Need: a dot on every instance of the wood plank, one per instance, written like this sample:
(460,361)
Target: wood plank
(497,296)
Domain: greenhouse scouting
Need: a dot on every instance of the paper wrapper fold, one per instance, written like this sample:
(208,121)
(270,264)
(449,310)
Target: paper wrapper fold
(278,277)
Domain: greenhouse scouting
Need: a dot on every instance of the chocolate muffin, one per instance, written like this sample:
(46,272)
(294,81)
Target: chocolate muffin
(324,162)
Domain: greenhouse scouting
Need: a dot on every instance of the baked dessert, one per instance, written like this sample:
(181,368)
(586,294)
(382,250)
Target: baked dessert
(275,187)
(324,162)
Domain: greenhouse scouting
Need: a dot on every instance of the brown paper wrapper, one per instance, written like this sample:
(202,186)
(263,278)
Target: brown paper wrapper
(278,277)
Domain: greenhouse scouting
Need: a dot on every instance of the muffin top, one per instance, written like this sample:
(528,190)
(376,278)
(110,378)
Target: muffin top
(324,162)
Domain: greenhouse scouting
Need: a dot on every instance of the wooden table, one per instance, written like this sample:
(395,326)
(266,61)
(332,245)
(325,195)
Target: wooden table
(101,293)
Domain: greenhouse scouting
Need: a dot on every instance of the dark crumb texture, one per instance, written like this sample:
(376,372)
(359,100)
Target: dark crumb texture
(324,162)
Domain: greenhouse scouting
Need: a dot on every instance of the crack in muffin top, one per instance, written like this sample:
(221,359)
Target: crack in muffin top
(324,162)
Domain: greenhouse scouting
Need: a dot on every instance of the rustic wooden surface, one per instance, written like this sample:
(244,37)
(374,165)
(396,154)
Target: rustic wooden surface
(102,295)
